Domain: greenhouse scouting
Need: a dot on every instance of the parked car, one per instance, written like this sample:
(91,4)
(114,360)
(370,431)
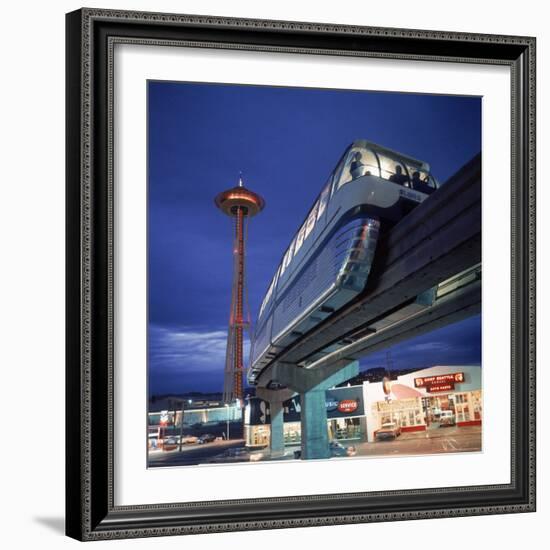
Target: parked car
(388,430)
(170,443)
(336,449)
(447,418)
(188,439)
(238,454)
(206,438)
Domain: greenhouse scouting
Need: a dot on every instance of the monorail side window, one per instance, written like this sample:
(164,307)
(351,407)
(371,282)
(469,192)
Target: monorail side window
(300,238)
(337,174)
(393,170)
(310,222)
(267,297)
(269,292)
(363,163)
(421,180)
(430,184)
(288,257)
(359,162)
(306,228)
(323,199)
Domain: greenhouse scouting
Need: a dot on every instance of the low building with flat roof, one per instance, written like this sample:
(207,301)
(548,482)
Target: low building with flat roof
(416,401)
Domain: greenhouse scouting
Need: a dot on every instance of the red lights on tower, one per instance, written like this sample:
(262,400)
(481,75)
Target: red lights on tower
(241,204)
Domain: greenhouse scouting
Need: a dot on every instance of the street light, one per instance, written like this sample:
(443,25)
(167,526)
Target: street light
(181,423)
(239,409)
(227,419)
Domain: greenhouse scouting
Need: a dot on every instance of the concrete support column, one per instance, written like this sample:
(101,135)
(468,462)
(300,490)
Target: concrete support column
(315,442)
(277,436)
(311,384)
(276,398)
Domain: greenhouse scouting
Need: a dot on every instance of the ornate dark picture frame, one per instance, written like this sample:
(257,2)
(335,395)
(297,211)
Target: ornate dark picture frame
(90,510)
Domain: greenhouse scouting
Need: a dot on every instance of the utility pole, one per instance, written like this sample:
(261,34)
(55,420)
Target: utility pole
(181,427)
(227,420)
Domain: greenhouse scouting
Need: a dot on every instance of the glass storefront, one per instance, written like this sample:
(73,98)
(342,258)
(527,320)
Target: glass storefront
(344,409)
(468,406)
(198,417)
(427,412)
(345,429)
(257,436)
(292,433)
(407,413)
(340,429)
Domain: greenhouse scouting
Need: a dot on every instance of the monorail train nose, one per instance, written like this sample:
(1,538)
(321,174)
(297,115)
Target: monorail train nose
(360,255)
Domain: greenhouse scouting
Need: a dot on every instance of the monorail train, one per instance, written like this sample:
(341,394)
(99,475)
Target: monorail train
(328,261)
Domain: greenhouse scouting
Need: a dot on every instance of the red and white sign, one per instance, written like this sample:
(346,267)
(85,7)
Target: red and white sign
(441,387)
(452,378)
(347,406)
(164,418)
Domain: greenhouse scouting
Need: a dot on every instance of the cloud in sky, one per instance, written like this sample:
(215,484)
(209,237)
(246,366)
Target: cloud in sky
(180,356)
(429,346)
(185,359)
(455,344)
(180,350)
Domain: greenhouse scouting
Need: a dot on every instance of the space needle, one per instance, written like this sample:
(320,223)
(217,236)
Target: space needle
(241,204)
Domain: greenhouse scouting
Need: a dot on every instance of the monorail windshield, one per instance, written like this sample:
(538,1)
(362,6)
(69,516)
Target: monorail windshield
(361,160)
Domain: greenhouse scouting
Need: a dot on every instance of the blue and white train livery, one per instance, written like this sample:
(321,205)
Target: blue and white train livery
(329,259)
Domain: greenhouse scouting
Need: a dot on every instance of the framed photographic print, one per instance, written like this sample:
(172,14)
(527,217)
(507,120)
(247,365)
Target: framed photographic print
(300,274)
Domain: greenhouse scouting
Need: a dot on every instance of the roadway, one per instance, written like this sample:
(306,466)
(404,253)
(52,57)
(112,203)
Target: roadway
(435,440)
(191,455)
(451,439)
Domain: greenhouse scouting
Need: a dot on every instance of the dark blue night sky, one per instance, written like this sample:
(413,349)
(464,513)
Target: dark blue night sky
(286,142)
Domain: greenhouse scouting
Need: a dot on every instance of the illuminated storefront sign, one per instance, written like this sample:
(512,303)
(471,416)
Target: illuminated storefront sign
(447,386)
(339,403)
(348,406)
(440,382)
(392,406)
(164,418)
